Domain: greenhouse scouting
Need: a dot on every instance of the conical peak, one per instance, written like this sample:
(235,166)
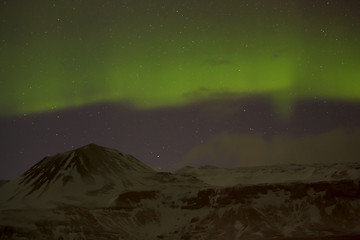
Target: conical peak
(94,158)
(88,163)
(91,146)
(91,151)
(101,159)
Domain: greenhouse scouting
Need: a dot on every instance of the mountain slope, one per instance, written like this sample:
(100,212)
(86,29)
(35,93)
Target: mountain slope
(274,174)
(69,177)
(2,182)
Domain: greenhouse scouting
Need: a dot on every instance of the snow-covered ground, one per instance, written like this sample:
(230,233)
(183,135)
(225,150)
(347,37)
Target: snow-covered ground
(274,174)
(100,193)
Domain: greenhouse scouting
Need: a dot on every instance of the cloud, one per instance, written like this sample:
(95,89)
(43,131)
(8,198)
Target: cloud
(235,150)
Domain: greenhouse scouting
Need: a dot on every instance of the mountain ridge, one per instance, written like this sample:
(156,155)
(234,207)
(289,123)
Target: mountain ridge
(90,168)
(94,192)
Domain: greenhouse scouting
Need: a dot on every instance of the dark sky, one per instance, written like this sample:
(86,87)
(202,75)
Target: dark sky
(174,83)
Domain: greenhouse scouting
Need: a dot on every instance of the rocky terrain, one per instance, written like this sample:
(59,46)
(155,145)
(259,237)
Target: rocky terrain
(99,193)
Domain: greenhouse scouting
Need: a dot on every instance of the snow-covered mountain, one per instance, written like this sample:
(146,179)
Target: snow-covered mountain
(274,174)
(76,177)
(99,193)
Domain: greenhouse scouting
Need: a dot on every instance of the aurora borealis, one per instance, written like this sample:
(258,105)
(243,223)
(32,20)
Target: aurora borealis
(62,54)
(149,56)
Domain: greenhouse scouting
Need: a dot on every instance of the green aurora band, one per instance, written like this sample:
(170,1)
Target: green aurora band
(149,57)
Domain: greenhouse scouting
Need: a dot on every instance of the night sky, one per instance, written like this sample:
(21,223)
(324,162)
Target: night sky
(192,82)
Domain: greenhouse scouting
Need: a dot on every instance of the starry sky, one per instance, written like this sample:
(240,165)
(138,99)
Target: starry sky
(174,83)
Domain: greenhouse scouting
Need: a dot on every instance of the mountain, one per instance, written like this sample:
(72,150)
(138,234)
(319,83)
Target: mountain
(99,193)
(274,174)
(77,177)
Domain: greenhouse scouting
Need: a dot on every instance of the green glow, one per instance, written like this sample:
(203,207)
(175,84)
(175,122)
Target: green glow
(174,59)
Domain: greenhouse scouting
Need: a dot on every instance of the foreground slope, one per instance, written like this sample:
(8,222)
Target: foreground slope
(111,195)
